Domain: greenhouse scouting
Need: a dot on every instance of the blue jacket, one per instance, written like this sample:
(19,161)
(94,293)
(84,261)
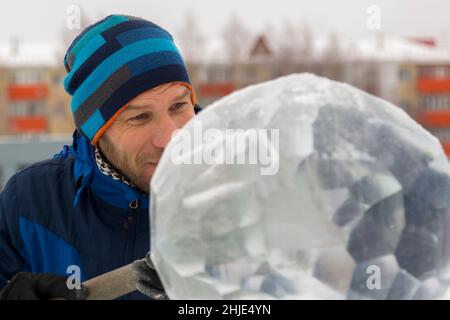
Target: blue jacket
(64,211)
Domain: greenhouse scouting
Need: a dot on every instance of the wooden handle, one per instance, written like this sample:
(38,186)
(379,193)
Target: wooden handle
(111,285)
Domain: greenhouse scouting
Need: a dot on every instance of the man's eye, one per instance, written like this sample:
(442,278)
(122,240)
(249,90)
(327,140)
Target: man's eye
(178,106)
(141,116)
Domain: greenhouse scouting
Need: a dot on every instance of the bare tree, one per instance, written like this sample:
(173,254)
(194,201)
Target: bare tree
(306,45)
(332,51)
(295,48)
(236,38)
(332,59)
(288,43)
(190,38)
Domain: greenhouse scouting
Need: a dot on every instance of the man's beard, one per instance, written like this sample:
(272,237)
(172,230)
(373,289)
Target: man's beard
(122,165)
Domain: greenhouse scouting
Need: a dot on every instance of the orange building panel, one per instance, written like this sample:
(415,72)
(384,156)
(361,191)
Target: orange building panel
(427,85)
(435,119)
(446,147)
(28,124)
(216,89)
(31,92)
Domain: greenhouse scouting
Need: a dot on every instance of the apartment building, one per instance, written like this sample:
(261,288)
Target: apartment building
(32,98)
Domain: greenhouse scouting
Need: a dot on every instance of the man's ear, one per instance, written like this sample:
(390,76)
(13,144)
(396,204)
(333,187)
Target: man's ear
(102,143)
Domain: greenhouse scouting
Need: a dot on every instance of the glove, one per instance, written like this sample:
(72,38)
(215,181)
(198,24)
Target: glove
(40,286)
(148,281)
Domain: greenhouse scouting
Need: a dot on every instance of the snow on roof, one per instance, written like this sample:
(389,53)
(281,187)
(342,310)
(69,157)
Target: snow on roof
(385,49)
(395,49)
(22,54)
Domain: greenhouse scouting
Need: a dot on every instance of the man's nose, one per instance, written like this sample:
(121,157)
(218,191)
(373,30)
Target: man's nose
(163,132)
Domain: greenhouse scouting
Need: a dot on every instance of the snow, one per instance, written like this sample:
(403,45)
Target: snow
(49,54)
(393,49)
(389,49)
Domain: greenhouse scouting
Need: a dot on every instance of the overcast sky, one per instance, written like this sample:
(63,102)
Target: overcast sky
(42,20)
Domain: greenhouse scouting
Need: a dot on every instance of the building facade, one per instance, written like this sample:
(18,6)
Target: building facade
(414,75)
(32,97)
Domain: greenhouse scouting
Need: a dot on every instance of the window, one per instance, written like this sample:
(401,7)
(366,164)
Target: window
(436,102)
(26,77)
(440,72)
(425,72)
(26,109)
(219,74)
(435,72)
(404,74)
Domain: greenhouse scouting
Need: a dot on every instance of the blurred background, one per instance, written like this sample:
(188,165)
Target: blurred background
(395,49)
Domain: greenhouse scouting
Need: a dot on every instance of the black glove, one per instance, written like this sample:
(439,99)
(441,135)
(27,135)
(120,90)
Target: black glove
(40,286)
(148,281)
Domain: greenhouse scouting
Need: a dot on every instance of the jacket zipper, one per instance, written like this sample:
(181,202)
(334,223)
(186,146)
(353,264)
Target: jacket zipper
(130,225)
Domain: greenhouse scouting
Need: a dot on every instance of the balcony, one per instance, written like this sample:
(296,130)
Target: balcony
(446,147)
(216,89)
(29,92)
(429,85)
(435,119)
(28,124)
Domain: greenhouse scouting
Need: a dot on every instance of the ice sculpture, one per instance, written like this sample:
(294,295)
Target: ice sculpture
(359,207)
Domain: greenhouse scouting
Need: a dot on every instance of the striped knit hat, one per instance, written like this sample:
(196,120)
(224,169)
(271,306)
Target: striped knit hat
(113,61)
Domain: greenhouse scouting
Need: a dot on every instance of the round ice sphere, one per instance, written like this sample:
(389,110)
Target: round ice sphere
(302,188)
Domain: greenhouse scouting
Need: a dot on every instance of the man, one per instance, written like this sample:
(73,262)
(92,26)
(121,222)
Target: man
(87,209)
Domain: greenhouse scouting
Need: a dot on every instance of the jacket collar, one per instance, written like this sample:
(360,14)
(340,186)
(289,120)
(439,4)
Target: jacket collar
(86,173)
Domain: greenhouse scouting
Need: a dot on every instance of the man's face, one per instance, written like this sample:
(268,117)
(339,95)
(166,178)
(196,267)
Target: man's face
(136,139)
